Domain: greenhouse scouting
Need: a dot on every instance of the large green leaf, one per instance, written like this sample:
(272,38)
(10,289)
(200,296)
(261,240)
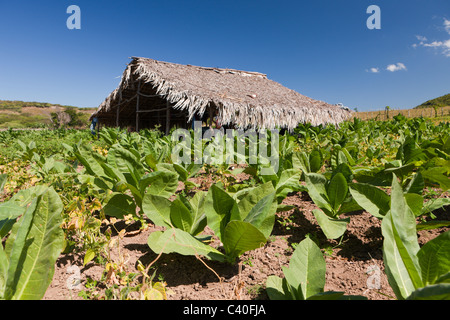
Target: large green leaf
(148,179)
(251,198)
(157,209)
(350,205)
(198,212)
(307,269)
(401,171)
(337,191)
(331,227)
(345,170)
(262,215)
(279,289)
(35,246)
(304,278)
(126,162)
(439,291)
(416,184)
(370,198)
(338,157)
(181,242)
(289,181)
(400,245)
(300,160)
(9,212)
(112,172)
(374,176)
(182,172)
(315,161)
(434,204)
(240,237)
(434,258)
(181,216)
(90,160)
(151,161)
(25,196)
(317,190)
(16,243)
(120,205)
(164,184)
(218,207)
(415,203)
(436,175)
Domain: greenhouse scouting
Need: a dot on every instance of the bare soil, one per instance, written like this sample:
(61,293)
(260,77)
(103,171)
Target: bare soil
(353,264)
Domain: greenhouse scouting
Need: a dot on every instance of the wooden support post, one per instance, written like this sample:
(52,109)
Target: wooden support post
(98,129)
(137,106)
(167,117)
(158,119)
(210,116)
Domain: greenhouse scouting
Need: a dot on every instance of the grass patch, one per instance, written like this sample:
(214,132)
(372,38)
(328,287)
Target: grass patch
(25,120)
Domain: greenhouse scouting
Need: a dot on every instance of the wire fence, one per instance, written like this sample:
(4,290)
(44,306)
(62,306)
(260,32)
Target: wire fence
(409,113)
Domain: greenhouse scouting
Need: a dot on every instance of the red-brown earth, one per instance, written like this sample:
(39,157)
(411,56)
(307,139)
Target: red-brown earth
(353,263)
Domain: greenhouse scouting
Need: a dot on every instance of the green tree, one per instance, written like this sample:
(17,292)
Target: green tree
(74,116)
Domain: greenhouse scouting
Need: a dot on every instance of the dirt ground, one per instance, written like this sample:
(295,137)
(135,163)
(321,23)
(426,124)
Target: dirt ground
(354,265)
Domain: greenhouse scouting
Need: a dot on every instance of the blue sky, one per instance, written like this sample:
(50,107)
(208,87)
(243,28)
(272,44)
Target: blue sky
(322,49)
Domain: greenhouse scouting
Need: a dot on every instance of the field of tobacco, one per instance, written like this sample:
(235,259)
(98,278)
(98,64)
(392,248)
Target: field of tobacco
(355,212)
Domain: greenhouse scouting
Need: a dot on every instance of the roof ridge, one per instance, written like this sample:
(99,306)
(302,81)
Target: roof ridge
(215,69)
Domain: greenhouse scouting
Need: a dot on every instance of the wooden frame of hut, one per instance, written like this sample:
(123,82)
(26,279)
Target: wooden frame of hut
(155,93)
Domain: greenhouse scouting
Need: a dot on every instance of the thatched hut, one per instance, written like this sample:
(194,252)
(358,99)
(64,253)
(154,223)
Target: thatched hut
(153,93)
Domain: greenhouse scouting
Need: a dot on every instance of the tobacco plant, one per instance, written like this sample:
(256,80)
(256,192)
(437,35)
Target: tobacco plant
(414,273)
(304,279)
(242,224)
(332,198)
(28,259)
(182,213)
(378,203)
(123,172)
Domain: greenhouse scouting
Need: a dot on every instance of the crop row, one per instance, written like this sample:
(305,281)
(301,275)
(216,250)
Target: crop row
(384,168)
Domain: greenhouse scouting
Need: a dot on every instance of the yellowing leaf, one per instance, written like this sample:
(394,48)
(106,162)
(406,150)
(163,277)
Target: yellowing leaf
(88,256)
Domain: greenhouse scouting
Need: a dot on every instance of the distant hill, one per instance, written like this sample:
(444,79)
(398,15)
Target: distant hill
(438,102)
(17,105)
(21,114)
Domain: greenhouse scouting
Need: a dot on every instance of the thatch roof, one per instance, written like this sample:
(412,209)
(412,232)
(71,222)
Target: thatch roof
(244,99)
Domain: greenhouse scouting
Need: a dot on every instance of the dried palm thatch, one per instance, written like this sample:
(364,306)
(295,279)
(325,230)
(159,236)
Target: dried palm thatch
(240,98)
